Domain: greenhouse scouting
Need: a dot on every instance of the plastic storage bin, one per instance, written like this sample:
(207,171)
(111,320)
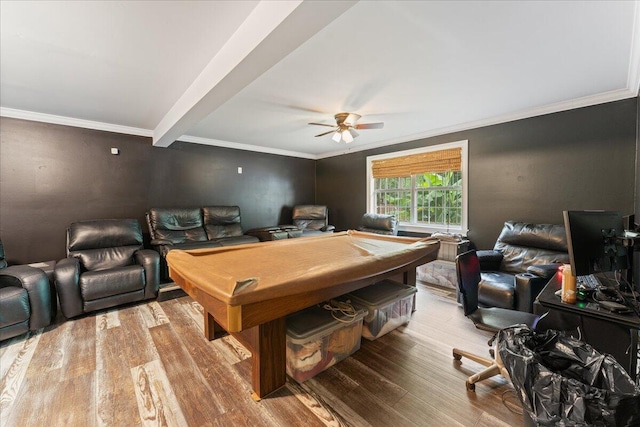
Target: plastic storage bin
(316,340)
(389,304)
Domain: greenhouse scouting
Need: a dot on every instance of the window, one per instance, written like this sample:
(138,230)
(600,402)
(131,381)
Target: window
(425,188)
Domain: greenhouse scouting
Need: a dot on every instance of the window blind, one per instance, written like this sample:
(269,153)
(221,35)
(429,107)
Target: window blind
(432,161)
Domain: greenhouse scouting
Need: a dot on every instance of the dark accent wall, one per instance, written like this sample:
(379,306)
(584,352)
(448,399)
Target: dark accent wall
(52,175)
(529,170)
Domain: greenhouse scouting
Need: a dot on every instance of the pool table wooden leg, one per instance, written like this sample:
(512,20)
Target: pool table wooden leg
(267,343)
(269,358)
(212,329)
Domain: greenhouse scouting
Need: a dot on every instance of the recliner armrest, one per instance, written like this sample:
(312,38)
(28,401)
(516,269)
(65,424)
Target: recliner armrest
(150,261)
(489,260)
(328,228)
(67,280)
(36,283)
(545,271)
(528,286)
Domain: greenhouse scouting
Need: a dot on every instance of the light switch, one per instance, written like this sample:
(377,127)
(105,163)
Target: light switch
(115,151)
(239,170)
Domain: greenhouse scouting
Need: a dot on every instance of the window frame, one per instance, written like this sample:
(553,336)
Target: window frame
(425,228)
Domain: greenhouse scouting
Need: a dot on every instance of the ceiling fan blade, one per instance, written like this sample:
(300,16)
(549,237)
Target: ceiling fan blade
(326,133)
(352,119)
(370,126)
(322,124)
(353,133)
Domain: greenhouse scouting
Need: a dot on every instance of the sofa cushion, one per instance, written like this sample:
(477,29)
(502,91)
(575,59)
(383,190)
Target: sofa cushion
(496,289)
(222,221)
(517,259)
(176,225)
(102,259)
(222,231)
(101,284)
(103,234)
(541,236)
(14,306)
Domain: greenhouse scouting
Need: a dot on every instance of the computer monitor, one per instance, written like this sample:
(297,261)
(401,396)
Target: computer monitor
(594,241)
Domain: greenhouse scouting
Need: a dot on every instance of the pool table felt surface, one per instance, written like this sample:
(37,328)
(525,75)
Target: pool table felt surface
(244,274)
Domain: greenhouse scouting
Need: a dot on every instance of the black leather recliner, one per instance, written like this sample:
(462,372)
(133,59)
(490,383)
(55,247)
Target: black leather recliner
(26,303)
(523,259)
(311,219)
(379,224)
(106,266)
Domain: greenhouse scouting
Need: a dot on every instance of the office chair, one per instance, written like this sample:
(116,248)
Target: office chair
(488,319)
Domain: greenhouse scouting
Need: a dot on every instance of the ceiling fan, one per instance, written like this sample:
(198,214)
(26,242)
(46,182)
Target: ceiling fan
(344,129)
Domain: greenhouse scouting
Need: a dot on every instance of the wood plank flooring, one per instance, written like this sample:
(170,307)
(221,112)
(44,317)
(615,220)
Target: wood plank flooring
(150,365)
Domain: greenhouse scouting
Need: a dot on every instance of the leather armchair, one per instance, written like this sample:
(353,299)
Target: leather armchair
(379,224)
(311,219)
(523,259)
(26,303)
(106,266)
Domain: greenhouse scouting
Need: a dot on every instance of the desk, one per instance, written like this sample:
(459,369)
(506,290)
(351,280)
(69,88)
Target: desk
(248,290)
(607,332)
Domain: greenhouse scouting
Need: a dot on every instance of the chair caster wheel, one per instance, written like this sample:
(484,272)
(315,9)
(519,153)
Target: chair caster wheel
(470,386)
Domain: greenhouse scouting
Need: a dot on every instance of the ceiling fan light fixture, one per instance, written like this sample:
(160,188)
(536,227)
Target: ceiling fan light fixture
(346,136)
(344,129)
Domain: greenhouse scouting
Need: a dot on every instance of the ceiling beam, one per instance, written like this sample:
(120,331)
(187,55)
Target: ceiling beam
(272,31)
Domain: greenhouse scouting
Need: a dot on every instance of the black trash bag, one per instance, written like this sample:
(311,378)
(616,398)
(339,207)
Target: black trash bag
(563,381)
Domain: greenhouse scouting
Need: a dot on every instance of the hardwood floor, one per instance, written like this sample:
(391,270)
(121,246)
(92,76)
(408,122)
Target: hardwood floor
(150,365)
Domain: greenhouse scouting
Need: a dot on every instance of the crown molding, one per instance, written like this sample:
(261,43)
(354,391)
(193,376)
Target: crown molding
(586,101)
(69,121)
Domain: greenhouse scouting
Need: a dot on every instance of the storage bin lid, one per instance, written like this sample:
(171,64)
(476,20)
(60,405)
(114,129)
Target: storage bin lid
(382,293)
(316,320)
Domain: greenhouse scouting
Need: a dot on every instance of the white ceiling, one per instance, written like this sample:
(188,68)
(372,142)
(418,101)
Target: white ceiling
(252,74)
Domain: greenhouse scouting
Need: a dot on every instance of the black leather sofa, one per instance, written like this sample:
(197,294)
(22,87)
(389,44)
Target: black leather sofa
(523,259)
(106,266)
(26,301)
(195,228)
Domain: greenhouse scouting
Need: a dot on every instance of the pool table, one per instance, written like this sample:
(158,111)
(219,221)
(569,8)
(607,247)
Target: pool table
(248,290)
